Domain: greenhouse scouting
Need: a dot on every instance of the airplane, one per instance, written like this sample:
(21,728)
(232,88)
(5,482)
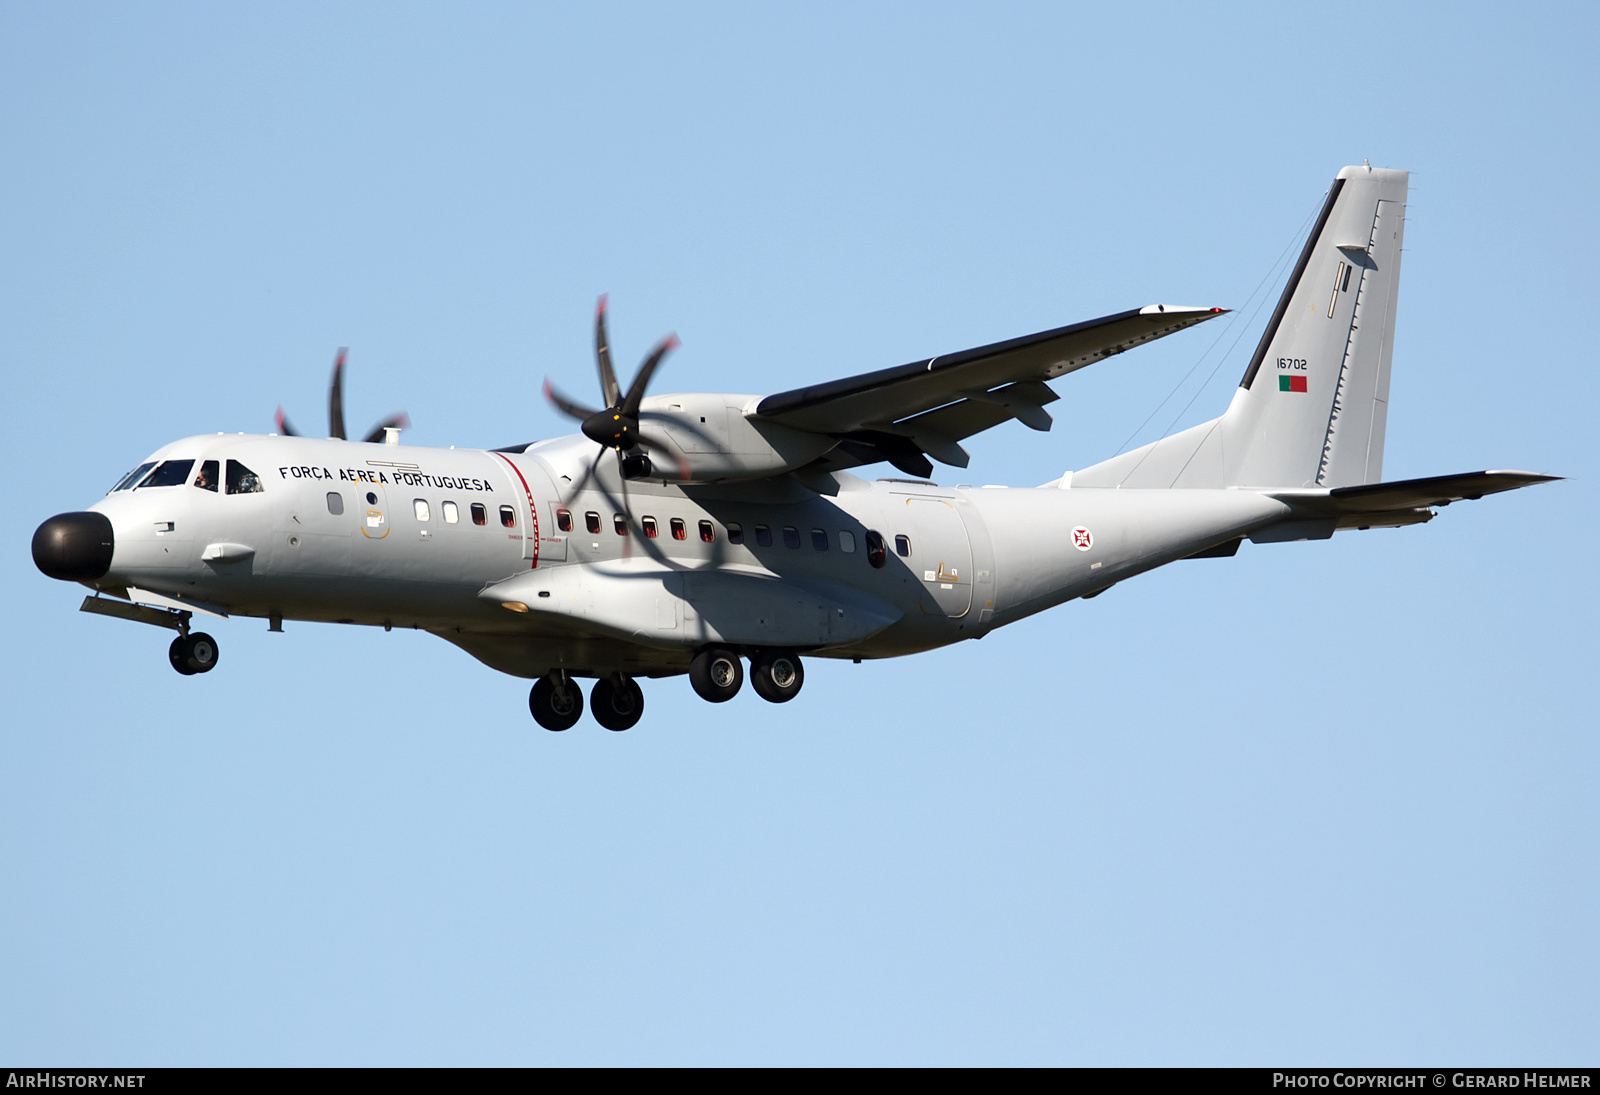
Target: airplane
(690,533)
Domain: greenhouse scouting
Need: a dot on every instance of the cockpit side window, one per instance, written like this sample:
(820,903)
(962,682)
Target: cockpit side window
(172,473)
(132,477)
(241,480)
(208,477)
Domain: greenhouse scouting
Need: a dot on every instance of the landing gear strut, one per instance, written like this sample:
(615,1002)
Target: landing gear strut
(193,653)
(776,675)
(556,702)
(616,702)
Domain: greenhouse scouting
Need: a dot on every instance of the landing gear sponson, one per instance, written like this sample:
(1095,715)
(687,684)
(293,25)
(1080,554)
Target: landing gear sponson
(617,701)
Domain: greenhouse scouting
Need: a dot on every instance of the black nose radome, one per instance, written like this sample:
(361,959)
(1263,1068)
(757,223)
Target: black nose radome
(74,546)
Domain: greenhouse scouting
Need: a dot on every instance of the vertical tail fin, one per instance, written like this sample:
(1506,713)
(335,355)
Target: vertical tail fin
(1313,405)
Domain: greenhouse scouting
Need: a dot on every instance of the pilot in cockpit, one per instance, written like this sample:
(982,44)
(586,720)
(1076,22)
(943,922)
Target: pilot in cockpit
(207,478)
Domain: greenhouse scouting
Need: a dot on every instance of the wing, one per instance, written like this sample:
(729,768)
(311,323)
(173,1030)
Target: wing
(909,412)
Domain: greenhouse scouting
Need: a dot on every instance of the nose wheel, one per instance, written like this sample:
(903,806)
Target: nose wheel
(193,653)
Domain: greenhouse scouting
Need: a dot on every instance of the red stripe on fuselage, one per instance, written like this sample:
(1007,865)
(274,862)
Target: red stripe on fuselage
(533,510)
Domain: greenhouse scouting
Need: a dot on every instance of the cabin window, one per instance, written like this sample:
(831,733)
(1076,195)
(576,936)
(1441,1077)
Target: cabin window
(564,520)
(620,523)
(241,480)
(819,539)
(708,534)
(419,506)
(679,532)
(480,516)
(877,553)
(132,477)
(763,536)
(210,474)
(791,536)
(508,517)
(847,541)
(902,546)
(651,529)
(452,513)
(173,473)
(735,534)
(591,521)
(335,503)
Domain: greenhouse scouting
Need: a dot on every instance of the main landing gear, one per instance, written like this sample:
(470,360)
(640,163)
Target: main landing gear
(193,653)
(617,701)
(776,675)
(716,674)
(556,702)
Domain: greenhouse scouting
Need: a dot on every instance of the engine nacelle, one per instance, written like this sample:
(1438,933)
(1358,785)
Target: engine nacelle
(716,438)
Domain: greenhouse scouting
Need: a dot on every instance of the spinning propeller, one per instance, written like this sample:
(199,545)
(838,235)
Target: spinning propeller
(336,410)
(617,426)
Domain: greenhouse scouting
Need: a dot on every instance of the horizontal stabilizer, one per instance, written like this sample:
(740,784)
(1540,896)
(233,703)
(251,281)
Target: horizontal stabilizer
(1408,494)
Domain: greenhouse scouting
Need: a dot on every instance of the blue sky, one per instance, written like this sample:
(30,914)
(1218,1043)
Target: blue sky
(1319,803)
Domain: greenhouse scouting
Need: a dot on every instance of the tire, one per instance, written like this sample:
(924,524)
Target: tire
(616,705)
(716,674)
(777,675)
(177,654)
(555,708)
(201,652)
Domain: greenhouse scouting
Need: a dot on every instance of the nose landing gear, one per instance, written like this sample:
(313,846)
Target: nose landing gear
(193,653)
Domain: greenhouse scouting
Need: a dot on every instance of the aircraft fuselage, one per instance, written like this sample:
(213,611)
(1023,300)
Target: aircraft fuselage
(406,536)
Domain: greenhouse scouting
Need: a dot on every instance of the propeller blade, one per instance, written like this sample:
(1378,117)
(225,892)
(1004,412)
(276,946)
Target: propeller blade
(630,405)
(609,388)
(634,531)
(398,421)
(336,397)
(635,528)
(565,405)
(283,425)
(583,480)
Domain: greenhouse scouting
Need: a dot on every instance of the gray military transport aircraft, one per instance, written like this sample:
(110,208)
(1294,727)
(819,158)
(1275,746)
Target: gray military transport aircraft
(683,533)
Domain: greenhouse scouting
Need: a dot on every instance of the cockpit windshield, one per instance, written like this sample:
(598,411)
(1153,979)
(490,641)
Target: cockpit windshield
(171,473)
(207,478)
(132,477)
(241,480)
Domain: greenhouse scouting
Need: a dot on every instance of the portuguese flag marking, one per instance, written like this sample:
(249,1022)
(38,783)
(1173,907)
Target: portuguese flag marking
(1291,383)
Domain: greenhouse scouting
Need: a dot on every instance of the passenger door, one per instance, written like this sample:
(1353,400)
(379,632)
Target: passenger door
(941,554)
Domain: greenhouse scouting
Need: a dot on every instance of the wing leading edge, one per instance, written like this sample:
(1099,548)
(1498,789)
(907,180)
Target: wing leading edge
(925,408)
